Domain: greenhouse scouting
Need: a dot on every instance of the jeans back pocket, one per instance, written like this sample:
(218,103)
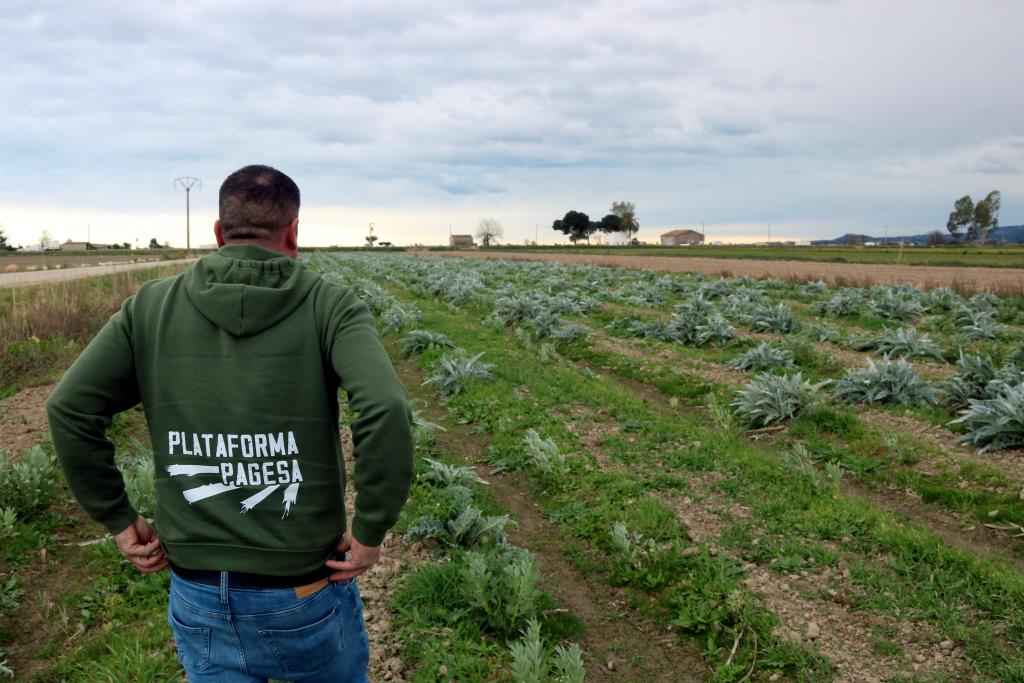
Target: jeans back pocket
(307,648)
(193,643)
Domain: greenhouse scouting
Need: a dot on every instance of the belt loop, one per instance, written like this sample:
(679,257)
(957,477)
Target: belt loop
(224,588)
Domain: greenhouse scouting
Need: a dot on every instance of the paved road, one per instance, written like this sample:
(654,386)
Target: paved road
(35,277)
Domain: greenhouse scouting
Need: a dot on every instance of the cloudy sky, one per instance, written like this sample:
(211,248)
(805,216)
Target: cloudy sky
(819,117)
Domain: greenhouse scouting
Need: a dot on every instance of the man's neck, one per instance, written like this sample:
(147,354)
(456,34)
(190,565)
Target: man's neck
(273,246)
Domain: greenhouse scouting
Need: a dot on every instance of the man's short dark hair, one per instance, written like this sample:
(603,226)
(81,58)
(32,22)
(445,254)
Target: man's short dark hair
(257,202)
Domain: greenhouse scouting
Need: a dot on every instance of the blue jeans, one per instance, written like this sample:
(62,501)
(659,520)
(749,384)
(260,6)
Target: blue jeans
(235,635)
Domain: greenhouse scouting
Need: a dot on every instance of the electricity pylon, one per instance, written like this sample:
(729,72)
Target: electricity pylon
(188,182)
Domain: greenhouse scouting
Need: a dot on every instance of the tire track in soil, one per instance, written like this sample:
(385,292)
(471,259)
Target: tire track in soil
(841,634)
(948,525)
(638,648)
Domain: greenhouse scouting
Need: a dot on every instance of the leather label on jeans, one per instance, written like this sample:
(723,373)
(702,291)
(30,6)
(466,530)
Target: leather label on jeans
(309,588)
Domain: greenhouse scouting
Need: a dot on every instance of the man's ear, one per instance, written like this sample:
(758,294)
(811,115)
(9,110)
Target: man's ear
(218,233)
(291,238)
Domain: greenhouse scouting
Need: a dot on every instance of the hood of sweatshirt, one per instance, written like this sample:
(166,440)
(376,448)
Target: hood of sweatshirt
(245,289)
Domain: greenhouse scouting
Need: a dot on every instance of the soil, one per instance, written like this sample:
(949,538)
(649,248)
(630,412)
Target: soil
(23,419)
(1000,280)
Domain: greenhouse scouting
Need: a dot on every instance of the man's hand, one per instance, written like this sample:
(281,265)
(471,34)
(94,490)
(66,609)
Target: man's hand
(360,558)
(141,546)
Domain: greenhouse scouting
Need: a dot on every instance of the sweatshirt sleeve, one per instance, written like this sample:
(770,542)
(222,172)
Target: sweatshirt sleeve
(382,430)
(100,384)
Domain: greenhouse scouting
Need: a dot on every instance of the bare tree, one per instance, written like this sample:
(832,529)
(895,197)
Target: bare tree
(627,212)
(489,230)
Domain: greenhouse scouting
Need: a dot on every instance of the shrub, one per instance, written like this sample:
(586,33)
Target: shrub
(977,324)
(815,288)
(974,372)
(896,303)
(779,318)
(715,289)
(843,303)
(821,332)
(763,357)
(418,341)
(902,342)
(455,371)
(888,381)
(995,423)
(774,398)
(940,300)
(398,317)
(699,324)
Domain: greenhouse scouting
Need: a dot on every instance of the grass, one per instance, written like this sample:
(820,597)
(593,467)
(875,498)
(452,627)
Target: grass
(44,327)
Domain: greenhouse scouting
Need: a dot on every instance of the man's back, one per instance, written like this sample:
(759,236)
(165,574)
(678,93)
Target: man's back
(237,364)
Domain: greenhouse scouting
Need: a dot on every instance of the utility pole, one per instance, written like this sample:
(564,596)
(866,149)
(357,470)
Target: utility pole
(188,182)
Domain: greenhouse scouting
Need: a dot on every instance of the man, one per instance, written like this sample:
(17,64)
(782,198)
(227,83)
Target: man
(237,363)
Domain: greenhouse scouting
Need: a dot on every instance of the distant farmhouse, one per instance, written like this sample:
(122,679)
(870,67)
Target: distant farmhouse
(617,238)
(460,241)
(677,238)
(82,246)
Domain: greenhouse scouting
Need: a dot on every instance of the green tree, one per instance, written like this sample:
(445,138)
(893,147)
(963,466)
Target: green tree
(576,225)
(610,223)
(627,212)
(4,244)
(985,218)
(960,217)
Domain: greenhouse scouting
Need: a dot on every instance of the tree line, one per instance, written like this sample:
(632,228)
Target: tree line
(577,225)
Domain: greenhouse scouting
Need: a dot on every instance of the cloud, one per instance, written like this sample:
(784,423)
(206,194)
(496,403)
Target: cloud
(726,110)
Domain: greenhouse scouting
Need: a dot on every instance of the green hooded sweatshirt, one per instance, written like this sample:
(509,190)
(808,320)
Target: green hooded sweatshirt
(237,363)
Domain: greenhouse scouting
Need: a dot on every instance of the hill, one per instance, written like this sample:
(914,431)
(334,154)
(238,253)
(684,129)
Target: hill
(1009,234)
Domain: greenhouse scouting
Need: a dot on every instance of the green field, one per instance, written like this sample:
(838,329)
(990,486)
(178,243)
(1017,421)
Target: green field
(646,476)
(990,256)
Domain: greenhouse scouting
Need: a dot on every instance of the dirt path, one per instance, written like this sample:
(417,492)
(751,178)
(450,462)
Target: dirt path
(40,276)
(1002,281)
